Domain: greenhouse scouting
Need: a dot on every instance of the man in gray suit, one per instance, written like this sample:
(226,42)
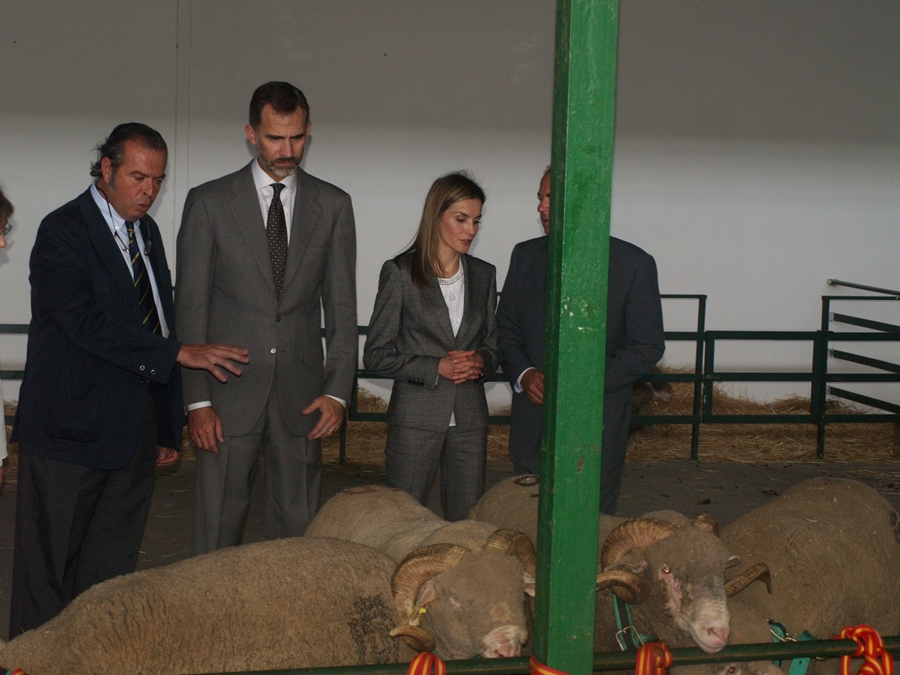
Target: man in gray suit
(261,254)
(634,344)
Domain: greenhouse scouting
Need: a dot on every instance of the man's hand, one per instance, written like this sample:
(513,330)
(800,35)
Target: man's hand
(166,457)
(214,358)
(205,429)
(331,420)
(533,385)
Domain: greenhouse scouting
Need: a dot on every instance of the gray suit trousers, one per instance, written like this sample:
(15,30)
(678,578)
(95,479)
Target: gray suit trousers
(411,460)
(293,482)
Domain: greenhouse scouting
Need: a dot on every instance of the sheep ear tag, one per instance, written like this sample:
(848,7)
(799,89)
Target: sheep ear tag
(427,595)
(415,617)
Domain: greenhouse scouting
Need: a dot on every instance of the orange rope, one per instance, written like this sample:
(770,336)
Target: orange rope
(876,660)
(653,659)
(423,662)
(538,668)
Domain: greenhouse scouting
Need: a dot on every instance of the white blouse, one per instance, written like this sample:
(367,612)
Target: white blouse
(454,292)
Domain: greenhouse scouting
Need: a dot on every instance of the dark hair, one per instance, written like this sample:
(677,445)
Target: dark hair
(284,98)
(546,172)
(114,145)
(444,193)
(6,207)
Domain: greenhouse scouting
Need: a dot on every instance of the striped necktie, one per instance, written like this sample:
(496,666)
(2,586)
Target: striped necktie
(142,283)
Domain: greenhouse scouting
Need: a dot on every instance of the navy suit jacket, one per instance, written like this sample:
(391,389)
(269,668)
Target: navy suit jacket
(635,341)
(91,364)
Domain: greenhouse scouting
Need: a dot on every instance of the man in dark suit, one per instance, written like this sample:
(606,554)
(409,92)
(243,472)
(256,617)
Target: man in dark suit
(634,344)
(261,253)
(100,390)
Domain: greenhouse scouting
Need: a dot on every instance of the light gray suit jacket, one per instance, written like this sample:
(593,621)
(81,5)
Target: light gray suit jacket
(225,293)
(410,332)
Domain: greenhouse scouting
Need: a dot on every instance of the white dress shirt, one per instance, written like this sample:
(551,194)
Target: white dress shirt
(119,232)
(264,192)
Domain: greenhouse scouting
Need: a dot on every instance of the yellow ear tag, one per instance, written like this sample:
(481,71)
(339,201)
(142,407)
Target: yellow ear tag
(416,615)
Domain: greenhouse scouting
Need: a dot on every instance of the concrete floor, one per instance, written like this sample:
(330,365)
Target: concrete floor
(724,490)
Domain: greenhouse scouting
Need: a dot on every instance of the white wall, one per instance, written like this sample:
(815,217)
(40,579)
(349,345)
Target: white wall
(757,151)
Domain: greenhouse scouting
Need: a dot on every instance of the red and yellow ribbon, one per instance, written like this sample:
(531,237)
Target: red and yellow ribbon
(538,668)
(653,659)
(876,659)
(423,662)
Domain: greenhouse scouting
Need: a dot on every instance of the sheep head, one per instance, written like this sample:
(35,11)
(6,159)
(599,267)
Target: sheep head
(465,603)
(675,577)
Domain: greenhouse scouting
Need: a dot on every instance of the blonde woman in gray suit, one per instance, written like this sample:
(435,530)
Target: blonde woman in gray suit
(433,331)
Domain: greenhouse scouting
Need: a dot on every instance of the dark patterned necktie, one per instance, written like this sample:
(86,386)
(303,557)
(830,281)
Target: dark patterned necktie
(142,283)
(276,231)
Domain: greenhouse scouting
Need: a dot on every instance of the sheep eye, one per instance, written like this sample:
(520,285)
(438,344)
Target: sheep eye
(731,670)
(666,569)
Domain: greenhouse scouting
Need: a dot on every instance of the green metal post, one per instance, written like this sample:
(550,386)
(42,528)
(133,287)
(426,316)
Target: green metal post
(583,123)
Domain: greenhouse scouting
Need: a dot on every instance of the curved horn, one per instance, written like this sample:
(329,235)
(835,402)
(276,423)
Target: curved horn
(417,568)
(417,638)
(632,534)
(527,480)
(515,544)
(628,586)
(758,571)
(706,522)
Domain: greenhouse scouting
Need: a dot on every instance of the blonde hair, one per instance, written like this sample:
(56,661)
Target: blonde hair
(444,193)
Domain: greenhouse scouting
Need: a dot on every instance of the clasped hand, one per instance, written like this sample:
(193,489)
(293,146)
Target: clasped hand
(460,366)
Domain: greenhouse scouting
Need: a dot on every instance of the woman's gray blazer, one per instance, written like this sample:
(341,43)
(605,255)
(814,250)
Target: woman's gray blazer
(410,332)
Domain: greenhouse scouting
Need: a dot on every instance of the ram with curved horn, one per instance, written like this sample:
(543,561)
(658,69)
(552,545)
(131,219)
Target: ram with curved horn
(471,579)
(831,547)
(668,570)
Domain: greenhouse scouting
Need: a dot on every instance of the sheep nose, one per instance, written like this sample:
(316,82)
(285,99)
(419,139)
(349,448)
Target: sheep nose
(508,649)
(719,635)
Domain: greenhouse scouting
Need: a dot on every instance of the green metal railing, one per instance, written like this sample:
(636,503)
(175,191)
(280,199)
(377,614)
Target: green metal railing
(705,374)
(604,661)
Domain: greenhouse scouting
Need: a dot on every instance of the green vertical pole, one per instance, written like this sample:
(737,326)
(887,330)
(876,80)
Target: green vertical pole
(583,122)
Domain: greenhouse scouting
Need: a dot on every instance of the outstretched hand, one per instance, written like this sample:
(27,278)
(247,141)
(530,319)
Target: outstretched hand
(213,357)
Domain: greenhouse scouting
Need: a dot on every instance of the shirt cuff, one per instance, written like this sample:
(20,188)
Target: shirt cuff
(517,387)
(208,404)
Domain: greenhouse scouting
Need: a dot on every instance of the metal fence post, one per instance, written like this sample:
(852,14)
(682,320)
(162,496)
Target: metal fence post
(583,121)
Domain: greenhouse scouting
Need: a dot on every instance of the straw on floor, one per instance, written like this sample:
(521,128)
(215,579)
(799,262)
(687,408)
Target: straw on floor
(749,443)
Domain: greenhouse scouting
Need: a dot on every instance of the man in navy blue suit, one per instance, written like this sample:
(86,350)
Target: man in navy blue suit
(634,344)
(101,391)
